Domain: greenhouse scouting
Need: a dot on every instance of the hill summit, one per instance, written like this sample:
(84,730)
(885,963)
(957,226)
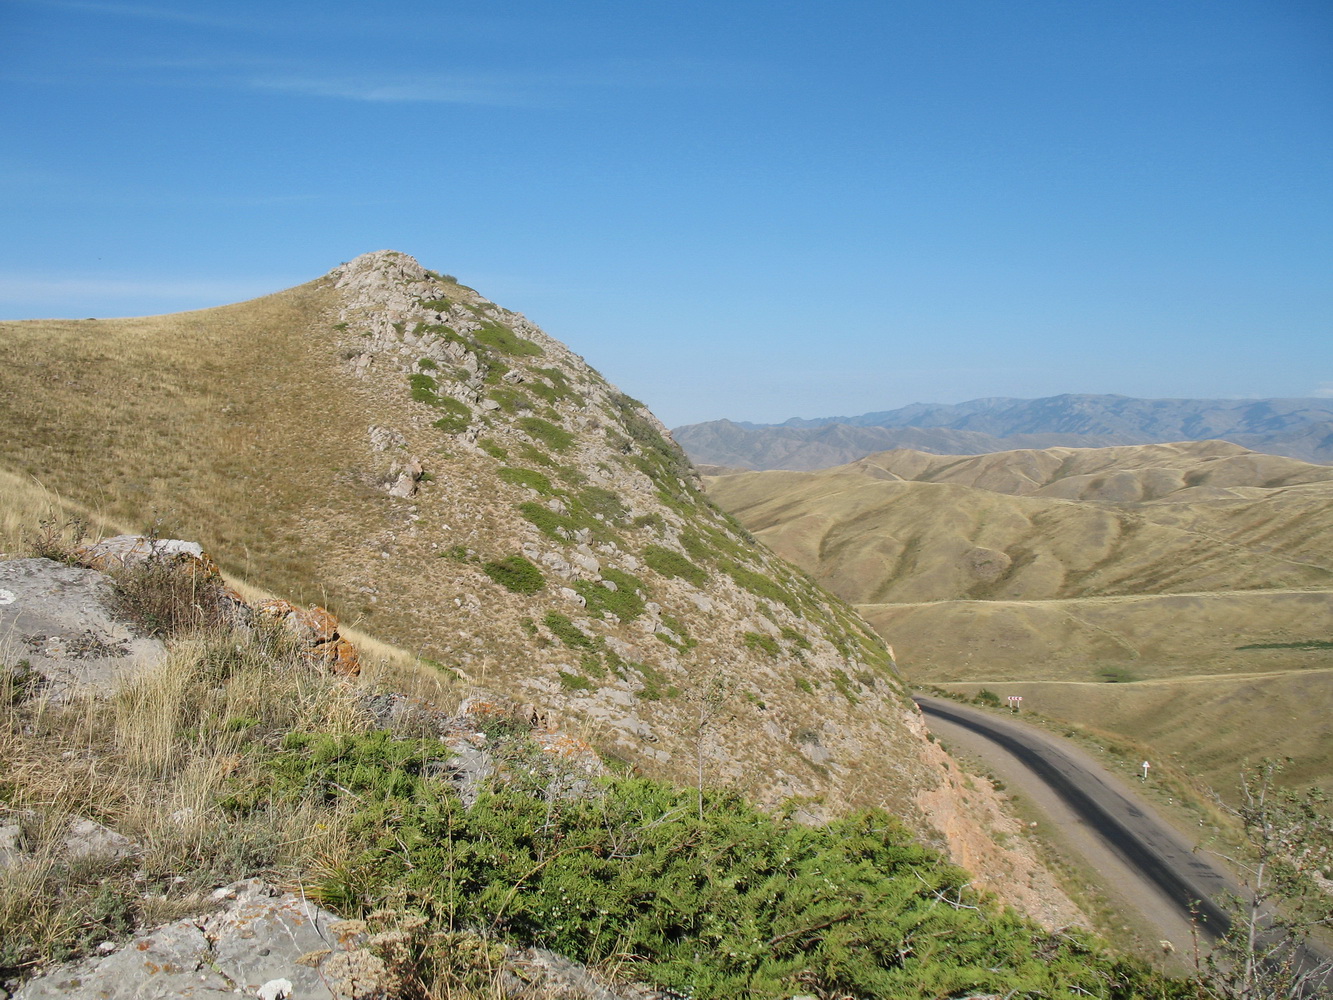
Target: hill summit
(435,469)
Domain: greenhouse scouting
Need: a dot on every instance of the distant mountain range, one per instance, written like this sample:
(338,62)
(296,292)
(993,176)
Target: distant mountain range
(1295,428)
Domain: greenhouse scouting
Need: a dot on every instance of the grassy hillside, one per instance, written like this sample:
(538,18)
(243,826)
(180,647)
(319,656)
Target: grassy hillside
(444,475)
(906,527)
(235,758)
(1198,563)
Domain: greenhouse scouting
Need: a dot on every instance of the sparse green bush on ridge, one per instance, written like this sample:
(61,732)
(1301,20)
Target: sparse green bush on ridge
(515,573)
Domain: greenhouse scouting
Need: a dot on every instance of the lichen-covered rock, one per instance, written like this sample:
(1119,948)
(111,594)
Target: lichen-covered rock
(56,620)
(315,629)
(128,551)
(255,937)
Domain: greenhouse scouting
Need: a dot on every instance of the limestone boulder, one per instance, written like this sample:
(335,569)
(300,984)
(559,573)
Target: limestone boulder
(56,619)
(256,939)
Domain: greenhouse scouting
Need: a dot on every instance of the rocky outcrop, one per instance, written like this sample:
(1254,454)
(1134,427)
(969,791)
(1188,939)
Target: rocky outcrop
(315,630)
(260,942)
(256,939)
(54,619)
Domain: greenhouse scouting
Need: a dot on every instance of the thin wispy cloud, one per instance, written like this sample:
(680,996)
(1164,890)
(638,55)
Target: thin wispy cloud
(521,87)
(144,12)
(404,90)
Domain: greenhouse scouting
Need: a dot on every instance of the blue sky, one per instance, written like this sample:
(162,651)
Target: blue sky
(753,210)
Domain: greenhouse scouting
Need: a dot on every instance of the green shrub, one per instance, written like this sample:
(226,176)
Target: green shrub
(723,901)
(597,500)
(423,388)
(653,520)
(757,640)
(663,460)
(761,586)
(494,450)
(669,562)
(845,688)
(575,682)
(515,573)
(555,438)
(457,415)
(557,526)
(795,637)
(625,602)
(427,364)
(500,338)
(510,400)
(567,632)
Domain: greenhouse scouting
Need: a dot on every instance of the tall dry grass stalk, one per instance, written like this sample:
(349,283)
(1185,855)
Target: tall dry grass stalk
(155,761)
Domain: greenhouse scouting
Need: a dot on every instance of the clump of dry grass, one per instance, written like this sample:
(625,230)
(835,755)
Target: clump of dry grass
(155,762)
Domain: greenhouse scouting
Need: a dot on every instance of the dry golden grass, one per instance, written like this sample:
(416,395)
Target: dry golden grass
(1166,636)
(877,541)
(154,762)
(187,425)
(1050,573)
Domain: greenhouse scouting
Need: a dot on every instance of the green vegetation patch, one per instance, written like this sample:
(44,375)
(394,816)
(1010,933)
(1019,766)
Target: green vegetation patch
(555,438)
(456,417)
(423,388)
(597,500)
(567,632)
(712,897)
(515,573)
(669,562)
(662,458)
(765,643)
(561,527)
(500,338)
(761,586)
(626,601)
(575,682)
(493,449)
(845,687)
(527,477)
(558,389)
(511,400)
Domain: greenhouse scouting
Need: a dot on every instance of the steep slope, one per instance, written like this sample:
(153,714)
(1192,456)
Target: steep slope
(440,472)
(1297,428)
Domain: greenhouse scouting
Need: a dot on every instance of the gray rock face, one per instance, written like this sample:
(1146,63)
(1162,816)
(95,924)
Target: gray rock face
(252,942)
(56,618)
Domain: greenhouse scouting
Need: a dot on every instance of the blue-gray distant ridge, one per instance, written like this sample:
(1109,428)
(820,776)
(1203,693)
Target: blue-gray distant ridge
(1297,428)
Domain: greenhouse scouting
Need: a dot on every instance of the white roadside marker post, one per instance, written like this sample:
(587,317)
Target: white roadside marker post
(1146,765)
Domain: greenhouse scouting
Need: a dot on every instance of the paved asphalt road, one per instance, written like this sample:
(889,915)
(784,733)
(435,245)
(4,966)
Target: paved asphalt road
(1150,849)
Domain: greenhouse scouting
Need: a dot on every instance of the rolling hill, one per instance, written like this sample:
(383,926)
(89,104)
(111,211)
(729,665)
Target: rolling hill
(1172,563)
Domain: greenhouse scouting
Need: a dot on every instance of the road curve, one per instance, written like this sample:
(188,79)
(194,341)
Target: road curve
(1145,843)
